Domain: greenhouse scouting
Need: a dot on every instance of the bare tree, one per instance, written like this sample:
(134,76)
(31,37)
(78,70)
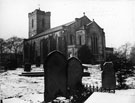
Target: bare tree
(124,50)
(132,54)
(122,64)
(14,45)
(2,43)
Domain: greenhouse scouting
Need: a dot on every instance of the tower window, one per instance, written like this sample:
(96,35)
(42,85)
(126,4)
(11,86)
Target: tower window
(43,23)
(32,23)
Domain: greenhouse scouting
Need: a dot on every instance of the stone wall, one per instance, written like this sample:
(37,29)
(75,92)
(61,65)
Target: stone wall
(82,30)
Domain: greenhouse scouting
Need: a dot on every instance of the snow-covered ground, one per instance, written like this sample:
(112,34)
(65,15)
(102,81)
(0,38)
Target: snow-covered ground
(120,96)
(21,89)
(28,89)
(95,76)
(98,97)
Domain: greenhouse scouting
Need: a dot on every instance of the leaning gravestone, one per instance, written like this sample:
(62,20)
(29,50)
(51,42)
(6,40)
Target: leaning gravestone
(108,76)
(75,72)
(55,76)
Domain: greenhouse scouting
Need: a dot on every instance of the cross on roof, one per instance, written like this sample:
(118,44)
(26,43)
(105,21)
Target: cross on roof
(84,13)
(39,6)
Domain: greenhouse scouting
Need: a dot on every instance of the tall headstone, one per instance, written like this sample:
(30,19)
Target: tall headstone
(55,76)
(108,76)
(75,72)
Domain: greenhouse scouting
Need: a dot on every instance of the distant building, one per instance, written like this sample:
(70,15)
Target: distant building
(67,38)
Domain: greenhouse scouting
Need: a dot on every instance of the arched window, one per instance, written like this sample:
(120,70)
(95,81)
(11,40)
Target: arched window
(33,51)
(80,39)
(32,23)
(94,44)
(71,41)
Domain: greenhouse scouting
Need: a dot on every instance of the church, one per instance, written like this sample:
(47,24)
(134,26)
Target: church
(82,38)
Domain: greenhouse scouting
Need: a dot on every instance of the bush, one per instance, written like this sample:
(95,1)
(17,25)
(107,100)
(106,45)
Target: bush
(85,55)
(11,64)
(121,80)
(123,68)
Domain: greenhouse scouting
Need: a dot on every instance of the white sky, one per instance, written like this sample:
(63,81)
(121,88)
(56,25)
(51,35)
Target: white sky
(117,17)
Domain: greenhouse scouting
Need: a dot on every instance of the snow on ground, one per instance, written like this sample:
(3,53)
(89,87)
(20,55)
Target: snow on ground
(131,82)
(120,96)
(31,89)
(128,92)
(95,76)
(25,88)
(98,97)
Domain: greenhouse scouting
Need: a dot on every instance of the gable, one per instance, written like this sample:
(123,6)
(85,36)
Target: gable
(94,28)
(78,24)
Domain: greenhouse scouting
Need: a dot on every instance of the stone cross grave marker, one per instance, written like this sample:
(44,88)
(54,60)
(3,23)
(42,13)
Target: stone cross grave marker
(55,76)
(75,72)
(108,76)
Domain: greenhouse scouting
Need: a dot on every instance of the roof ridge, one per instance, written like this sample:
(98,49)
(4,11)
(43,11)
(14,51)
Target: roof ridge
(56,28)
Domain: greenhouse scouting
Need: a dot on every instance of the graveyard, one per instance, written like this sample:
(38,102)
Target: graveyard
(67,51)
(16,88)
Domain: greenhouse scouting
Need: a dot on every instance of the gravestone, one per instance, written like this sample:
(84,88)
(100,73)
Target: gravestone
(108,76)
(75,72)
(55,76)
(27,67)
(38,61)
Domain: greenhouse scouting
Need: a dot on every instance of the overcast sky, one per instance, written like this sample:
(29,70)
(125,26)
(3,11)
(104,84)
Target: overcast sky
(117,17)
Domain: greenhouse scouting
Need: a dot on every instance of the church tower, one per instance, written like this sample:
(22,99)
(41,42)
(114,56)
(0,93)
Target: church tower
(39,21)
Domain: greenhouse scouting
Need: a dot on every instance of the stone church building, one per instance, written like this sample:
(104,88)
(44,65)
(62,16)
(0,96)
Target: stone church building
(68,38)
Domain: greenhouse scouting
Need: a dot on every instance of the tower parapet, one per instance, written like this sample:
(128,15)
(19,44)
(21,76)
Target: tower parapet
(39,21)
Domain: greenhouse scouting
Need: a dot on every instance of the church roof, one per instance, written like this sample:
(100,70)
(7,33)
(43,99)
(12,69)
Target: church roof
(51,30)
